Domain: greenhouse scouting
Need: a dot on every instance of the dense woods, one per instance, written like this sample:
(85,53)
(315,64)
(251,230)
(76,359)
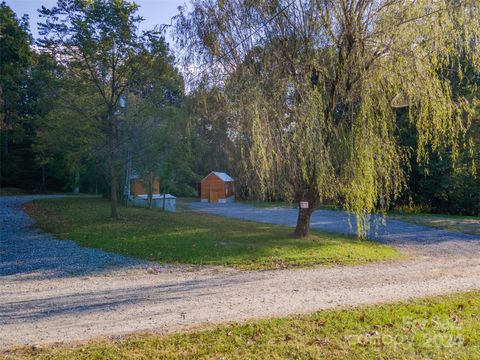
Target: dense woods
(293,99)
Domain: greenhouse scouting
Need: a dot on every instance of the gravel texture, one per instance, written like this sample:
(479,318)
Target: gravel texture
(54,291)
(27,250)
(37,312)
(422,240)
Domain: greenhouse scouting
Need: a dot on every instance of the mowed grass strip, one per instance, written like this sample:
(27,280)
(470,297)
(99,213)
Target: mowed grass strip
(465,224)
(446,327)
(195,238)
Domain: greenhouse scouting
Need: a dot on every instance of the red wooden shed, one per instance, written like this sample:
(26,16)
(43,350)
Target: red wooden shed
(217,187)
(138,187)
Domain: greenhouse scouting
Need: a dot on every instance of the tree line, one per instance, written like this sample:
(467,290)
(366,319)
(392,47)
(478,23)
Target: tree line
(363,104)
(92,95)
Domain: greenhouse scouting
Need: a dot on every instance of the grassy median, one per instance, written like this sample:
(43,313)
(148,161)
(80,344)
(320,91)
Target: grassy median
(195,238)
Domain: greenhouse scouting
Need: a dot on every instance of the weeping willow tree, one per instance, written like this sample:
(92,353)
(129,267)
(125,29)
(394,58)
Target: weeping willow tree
(314,85)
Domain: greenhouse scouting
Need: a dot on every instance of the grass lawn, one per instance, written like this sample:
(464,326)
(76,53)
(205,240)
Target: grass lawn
(466,224)
(195,238)
(446,327)
(11,191)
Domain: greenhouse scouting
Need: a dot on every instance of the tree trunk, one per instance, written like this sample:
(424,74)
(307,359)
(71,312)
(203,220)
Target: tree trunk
(113,172)
(44,181)
(113,193)
(151,179)
(303,221)
(76,187)
(5,154)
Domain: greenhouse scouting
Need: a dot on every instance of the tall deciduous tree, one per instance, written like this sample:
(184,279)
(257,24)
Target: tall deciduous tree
(67,132)
(209,111)
(103,51)
(15,63)
(161,102)
(311,84)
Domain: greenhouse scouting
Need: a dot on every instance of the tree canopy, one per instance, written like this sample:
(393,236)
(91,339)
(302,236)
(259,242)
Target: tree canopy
(107,61)
(310,85)
(15,61)
(366,104)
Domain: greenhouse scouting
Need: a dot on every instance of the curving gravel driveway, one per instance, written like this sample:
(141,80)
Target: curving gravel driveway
(422,240)
(27,250)
(53,290)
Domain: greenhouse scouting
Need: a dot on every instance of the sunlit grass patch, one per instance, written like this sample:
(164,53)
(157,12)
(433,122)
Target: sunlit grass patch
(195,238)
(465,224)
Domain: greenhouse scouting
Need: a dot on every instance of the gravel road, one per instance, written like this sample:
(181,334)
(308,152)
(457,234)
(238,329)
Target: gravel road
(422,240)
(49,293)
(27,250)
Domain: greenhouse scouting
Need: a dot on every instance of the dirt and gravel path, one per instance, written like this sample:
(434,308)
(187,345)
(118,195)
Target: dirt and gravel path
(41,305)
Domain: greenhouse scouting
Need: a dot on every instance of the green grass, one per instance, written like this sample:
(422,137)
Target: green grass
(446,327)
(466,224)
(11,191)
(268,204)
(195,238)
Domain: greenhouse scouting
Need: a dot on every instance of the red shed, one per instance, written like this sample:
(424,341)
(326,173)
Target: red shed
(138,187)
(217,187)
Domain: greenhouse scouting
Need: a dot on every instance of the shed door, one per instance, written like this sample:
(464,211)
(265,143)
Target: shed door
(213,197)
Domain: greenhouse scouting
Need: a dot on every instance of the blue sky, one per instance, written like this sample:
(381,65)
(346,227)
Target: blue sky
(155,12)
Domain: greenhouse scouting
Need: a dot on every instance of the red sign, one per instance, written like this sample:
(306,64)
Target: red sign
(303,204)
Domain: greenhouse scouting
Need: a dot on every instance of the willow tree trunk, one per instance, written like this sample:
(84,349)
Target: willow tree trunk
(303,221)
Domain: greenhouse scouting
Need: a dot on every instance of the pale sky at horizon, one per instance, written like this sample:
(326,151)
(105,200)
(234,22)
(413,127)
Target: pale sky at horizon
(155,12)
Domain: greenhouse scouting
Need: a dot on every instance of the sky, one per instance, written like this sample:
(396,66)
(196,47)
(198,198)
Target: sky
(155,12)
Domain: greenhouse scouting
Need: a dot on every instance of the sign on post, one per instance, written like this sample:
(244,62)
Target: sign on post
(303,204)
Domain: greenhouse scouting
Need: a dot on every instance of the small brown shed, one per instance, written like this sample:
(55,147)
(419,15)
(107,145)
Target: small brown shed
(137,187)
(217,187)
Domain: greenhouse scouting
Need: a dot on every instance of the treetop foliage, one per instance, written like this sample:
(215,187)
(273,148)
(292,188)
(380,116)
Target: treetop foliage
(311,83)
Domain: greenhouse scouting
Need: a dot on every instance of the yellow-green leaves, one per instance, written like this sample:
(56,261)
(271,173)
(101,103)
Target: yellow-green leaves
(312,91)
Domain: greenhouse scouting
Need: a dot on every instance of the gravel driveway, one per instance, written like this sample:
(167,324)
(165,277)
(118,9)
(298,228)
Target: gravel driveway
(422,240)
(53,290)
(26,250)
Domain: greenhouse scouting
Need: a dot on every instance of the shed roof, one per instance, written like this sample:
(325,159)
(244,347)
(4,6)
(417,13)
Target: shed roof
(221,175)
